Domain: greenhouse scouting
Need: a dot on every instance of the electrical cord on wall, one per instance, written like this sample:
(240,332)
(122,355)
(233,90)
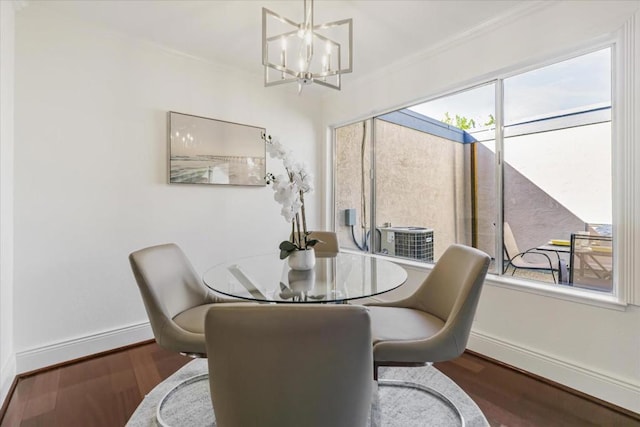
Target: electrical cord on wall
(363,199)
(364,246)
(367,238)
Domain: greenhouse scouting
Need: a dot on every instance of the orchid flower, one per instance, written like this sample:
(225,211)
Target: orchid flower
(289,190)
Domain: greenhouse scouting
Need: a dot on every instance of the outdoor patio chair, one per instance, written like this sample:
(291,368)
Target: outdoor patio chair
(543,261)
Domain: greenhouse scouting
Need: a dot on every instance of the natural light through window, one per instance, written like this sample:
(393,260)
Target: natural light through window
(436,165)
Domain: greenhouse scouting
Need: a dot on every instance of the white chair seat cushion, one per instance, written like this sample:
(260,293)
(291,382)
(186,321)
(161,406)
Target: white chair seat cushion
(192,319)
(402,324)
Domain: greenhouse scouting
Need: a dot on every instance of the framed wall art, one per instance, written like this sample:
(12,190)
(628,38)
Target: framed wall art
(209,151)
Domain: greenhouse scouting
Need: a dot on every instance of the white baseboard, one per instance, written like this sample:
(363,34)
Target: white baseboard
(48,355)
(618,391)
(7,375)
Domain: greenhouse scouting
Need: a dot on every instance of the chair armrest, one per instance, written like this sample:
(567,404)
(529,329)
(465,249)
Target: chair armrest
(533,251)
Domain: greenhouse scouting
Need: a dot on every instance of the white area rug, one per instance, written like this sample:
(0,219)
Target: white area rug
(399,407)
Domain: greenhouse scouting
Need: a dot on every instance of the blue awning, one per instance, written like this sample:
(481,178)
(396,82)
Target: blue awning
(416,121)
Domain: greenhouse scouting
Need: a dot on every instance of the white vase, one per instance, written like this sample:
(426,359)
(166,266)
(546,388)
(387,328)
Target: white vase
(301,280)
(302,260)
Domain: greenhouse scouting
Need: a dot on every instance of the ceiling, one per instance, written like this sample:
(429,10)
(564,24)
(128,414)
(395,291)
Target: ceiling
(229,32)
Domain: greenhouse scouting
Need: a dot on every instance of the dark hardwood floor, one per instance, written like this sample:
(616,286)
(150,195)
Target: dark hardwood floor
(105,390)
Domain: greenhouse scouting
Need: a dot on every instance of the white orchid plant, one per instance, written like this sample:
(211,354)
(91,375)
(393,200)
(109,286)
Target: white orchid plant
(290,189)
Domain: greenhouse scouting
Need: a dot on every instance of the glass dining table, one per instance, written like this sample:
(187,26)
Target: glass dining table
(336,279)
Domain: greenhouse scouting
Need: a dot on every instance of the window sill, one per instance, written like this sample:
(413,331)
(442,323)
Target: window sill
(396,260)
(575,295)
(566,293)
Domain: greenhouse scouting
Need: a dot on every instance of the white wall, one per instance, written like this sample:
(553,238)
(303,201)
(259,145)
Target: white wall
(90,178)
(590,348)
(7,355)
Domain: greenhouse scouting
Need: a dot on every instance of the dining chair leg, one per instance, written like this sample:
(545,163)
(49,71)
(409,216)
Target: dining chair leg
(428,390)
(407,384)
(175,389)
(197,378)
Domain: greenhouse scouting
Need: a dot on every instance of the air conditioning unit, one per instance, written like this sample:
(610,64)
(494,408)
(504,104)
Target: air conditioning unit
(407,242)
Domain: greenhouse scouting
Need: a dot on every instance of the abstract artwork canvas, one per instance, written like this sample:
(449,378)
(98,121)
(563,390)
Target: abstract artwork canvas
(209,151)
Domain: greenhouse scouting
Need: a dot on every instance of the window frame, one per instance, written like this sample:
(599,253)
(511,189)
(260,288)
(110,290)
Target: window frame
(625,179)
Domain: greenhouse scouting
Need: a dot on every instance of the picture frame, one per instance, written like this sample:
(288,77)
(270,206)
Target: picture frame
(215,152)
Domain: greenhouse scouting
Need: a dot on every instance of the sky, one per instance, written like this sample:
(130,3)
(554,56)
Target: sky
(575,159)
(574,83)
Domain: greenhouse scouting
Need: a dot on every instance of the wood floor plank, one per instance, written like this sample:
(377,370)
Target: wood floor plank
(512,398)
(18,402)
(469,364)
(44,394)
(166,361)
(126,403)
(70,408)
(42,420)
(145,370)
(106,390)
(121,374)
(104,408)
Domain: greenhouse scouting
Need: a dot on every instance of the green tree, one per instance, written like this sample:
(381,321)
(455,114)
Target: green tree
(491,121)
(465,123)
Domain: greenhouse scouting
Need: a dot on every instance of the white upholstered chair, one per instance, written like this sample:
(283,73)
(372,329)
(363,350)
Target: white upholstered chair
(328,243)
(434,323)
(174,297)
(176,302)
(290,365)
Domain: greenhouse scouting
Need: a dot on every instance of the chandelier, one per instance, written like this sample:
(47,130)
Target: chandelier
(305,52)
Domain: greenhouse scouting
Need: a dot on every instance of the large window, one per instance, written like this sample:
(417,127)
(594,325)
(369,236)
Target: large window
(536,195)
(557,172)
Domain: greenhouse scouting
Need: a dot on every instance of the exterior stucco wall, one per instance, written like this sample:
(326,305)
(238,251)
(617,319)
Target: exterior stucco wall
(350,166)
(420,182)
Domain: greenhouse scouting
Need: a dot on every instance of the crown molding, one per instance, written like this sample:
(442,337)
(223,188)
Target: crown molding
(509,16)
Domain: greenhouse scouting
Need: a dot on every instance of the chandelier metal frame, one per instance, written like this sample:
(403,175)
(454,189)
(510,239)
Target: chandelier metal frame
(307,35)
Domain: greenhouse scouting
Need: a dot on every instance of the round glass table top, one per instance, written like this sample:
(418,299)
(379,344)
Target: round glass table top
(343,277)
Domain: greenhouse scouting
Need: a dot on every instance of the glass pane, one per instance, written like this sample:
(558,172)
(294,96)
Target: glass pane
(575,85)
(434,174)
(557,175)
(352,185)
